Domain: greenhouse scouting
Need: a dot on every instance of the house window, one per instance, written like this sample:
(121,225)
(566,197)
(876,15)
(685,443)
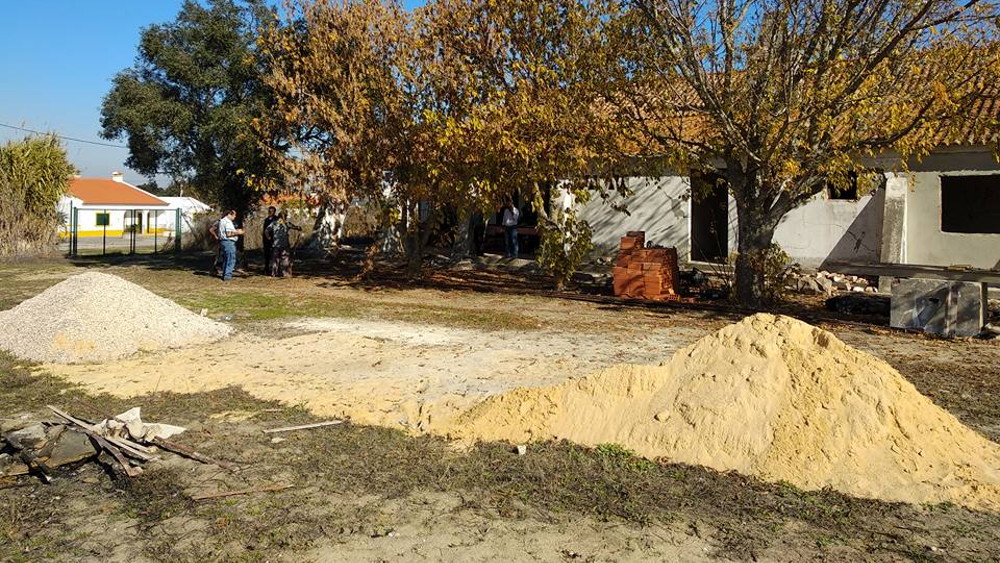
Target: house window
(847,190)
(103,219)
(970,204)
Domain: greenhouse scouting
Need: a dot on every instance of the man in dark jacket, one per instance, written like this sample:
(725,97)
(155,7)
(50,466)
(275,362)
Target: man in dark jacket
(272,216)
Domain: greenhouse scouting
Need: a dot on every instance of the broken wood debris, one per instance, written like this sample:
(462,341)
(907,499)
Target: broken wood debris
(304,426)
(102,442)
(37,447)
(162,442)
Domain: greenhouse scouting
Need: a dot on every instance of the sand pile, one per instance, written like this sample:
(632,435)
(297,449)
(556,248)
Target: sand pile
(95,317)
(772,397)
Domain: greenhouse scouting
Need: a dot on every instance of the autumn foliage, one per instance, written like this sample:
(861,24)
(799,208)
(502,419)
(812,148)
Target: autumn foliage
(454,107)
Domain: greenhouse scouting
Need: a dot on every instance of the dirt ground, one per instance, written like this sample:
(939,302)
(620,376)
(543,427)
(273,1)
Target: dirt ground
(395,374)
(409,358)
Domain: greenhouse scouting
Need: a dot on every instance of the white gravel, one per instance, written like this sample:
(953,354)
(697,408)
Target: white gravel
(95,317)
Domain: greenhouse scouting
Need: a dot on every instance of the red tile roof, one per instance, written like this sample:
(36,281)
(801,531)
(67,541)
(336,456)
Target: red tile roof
(105,191)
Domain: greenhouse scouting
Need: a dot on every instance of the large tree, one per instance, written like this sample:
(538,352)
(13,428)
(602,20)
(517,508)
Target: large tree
(335,70)
(782,97)
(528,76)
(186,106)
(460,105)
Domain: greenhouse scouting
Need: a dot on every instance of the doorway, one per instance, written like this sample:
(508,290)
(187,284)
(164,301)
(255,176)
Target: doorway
(709,218)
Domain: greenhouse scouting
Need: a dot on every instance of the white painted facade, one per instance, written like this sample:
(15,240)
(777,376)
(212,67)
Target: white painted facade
(871,229)
(189,207)
(838,230)
(118,217)
(122,217)
(659,206)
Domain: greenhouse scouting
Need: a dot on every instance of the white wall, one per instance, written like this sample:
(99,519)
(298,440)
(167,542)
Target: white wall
(662,208)
(827,229)
(119,218)
(88,219)
(926,243)
(657,205)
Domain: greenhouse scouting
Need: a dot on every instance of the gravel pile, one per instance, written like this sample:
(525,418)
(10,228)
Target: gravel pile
(95,317)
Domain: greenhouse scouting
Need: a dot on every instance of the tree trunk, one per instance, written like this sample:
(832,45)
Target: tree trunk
(329,224)
(462,247)
(418,234)
(756,231)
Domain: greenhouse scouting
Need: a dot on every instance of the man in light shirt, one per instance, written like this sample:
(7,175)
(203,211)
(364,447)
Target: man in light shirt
(228,233)
(509,218)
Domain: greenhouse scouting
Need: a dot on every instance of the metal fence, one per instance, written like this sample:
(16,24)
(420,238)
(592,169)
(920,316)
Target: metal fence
(140,232)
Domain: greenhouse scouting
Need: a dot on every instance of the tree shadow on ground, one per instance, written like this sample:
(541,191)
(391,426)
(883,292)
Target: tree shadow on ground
(344,268)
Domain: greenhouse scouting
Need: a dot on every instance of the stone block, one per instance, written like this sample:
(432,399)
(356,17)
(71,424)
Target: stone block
(30,437)
(944,308)
(825,285)
(72,446)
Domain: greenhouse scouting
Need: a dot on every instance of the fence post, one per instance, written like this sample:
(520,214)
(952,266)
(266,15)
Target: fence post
(177,230)
(74,221)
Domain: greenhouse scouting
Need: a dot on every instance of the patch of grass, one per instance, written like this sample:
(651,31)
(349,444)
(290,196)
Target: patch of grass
(460,317)
(743,517)
(18,538)
(619,456)
(260,306)
(20,282)
(22,390)
(154,496)
(32,526)
(609,483)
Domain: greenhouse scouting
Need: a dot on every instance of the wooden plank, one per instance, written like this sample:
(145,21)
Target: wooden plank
(128,450)
(915,271)
(174,447)
(130,443)
(31,461)
(304,426)
(189,453)
(222,494)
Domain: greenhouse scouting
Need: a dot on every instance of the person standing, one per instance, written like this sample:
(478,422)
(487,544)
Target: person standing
(509,218)
(478,233)
(218,261)
(228,234)
(281,258)
(272,216)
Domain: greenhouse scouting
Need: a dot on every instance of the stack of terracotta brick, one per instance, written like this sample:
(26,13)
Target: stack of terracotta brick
(646,273)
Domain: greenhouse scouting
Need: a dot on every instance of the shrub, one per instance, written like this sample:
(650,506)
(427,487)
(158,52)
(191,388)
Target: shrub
(34,175)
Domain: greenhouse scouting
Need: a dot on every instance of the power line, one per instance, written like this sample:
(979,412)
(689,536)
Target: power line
(74,139)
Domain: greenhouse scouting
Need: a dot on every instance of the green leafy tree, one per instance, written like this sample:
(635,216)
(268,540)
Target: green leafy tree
(186,106)
(34,175)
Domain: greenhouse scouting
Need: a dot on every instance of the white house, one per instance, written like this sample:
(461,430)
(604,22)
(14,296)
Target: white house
(109,207)
(188,206)
(112,206)
(944,212)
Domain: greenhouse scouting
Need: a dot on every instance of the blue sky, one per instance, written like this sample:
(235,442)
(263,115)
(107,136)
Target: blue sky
(57,59)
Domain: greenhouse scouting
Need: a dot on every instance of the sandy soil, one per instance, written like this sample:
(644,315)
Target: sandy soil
(434,528)
(394,374)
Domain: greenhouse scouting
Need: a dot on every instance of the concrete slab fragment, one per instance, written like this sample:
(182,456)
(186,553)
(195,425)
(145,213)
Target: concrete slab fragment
(944,308)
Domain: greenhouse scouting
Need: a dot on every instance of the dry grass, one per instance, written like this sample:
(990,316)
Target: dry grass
(743,517)
(344,474)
